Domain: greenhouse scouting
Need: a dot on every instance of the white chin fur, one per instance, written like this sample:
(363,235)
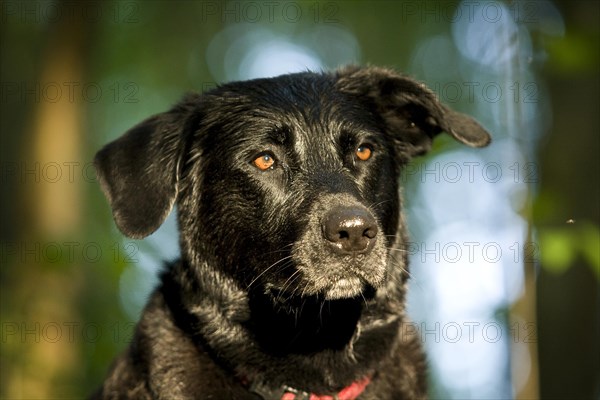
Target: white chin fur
(344,288)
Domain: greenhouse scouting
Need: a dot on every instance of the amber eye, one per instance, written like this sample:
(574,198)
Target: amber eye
(264,161)
(364,152)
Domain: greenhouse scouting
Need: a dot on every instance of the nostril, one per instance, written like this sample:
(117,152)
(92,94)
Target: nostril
(343,235)
(370,232)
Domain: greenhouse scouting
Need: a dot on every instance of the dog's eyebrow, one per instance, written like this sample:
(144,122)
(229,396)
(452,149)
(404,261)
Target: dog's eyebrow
(358,133)
(280,135)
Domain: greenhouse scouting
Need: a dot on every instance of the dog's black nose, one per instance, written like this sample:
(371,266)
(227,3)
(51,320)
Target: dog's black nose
(350,229)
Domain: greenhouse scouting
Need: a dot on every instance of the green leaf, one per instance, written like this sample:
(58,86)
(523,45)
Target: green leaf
(557,250)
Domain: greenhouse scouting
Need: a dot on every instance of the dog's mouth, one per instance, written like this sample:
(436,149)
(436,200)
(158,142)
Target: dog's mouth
(335,278)
(342,290)
(332,277)
(341,287)
(327,288)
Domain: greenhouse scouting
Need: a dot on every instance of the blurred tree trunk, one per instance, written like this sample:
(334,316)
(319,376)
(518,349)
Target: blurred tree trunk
(522,326)
(568,308)
(48,211)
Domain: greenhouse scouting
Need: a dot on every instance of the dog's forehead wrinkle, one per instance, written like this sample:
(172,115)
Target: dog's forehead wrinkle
(317,145)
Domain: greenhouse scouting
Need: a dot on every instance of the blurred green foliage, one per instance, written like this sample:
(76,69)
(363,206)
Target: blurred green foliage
(562,247)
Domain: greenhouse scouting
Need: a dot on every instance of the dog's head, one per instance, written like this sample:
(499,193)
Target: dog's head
(288,184)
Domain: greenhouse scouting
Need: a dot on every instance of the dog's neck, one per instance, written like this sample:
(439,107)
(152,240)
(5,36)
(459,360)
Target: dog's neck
(304,325)
(316,337)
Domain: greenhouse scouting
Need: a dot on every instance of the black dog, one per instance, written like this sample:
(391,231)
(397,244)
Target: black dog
(291,281)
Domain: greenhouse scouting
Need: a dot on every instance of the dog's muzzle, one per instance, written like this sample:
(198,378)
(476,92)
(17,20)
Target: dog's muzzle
(341,253)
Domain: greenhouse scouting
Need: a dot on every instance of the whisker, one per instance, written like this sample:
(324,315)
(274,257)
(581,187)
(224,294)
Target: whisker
(393,236)
(372,206)
(321,312)
(267,269)
(290,280)
(365,300)
(283,291)
(414,281)
(399,264)
(281,249)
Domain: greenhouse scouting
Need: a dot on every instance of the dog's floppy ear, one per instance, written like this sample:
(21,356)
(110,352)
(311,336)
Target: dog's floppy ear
(409,110)
(139,172)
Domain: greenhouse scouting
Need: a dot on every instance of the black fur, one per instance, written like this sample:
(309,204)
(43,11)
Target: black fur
(261,294)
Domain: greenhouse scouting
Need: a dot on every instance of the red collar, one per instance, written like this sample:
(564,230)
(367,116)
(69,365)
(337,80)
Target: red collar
(350,392)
